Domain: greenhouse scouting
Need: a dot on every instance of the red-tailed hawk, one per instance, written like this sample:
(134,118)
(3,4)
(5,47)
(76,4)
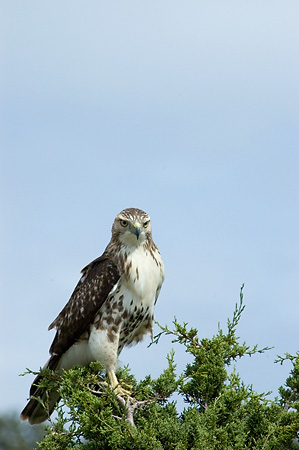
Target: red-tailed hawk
(111,306)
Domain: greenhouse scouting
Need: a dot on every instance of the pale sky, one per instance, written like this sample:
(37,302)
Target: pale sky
(186,109)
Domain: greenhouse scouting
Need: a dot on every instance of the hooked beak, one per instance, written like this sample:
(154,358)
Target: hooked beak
(137,229)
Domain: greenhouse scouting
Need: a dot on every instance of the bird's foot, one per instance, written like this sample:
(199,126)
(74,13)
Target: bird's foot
(118,388)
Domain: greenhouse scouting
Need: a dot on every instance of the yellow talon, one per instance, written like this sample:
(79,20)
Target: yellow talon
(118,389)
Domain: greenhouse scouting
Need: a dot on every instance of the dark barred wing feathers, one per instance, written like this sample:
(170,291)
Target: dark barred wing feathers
(98,279)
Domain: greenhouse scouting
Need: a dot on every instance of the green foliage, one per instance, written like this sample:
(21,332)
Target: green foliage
(221,412)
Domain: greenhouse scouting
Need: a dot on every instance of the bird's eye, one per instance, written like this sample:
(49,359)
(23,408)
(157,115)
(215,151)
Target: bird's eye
(145,225)
(123,223)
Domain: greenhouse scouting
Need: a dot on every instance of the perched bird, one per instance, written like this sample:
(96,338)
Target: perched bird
(111,306)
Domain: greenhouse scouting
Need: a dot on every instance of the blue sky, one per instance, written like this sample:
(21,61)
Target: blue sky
(188,110)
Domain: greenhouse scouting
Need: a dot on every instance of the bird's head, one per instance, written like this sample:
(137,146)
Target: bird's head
(132,226)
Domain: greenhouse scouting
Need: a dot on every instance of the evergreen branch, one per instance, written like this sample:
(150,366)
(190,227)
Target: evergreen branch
(287,357)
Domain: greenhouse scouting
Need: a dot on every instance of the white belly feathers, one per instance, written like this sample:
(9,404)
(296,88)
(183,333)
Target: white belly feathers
(127,314)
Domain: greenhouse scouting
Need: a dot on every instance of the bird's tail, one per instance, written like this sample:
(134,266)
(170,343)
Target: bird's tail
(41,403)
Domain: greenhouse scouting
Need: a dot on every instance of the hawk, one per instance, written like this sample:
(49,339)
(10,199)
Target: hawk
(112,306)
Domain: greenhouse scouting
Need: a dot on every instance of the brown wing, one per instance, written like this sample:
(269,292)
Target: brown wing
(98,279)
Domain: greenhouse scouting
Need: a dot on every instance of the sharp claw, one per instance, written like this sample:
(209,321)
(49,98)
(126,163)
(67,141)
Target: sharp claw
(118,389)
